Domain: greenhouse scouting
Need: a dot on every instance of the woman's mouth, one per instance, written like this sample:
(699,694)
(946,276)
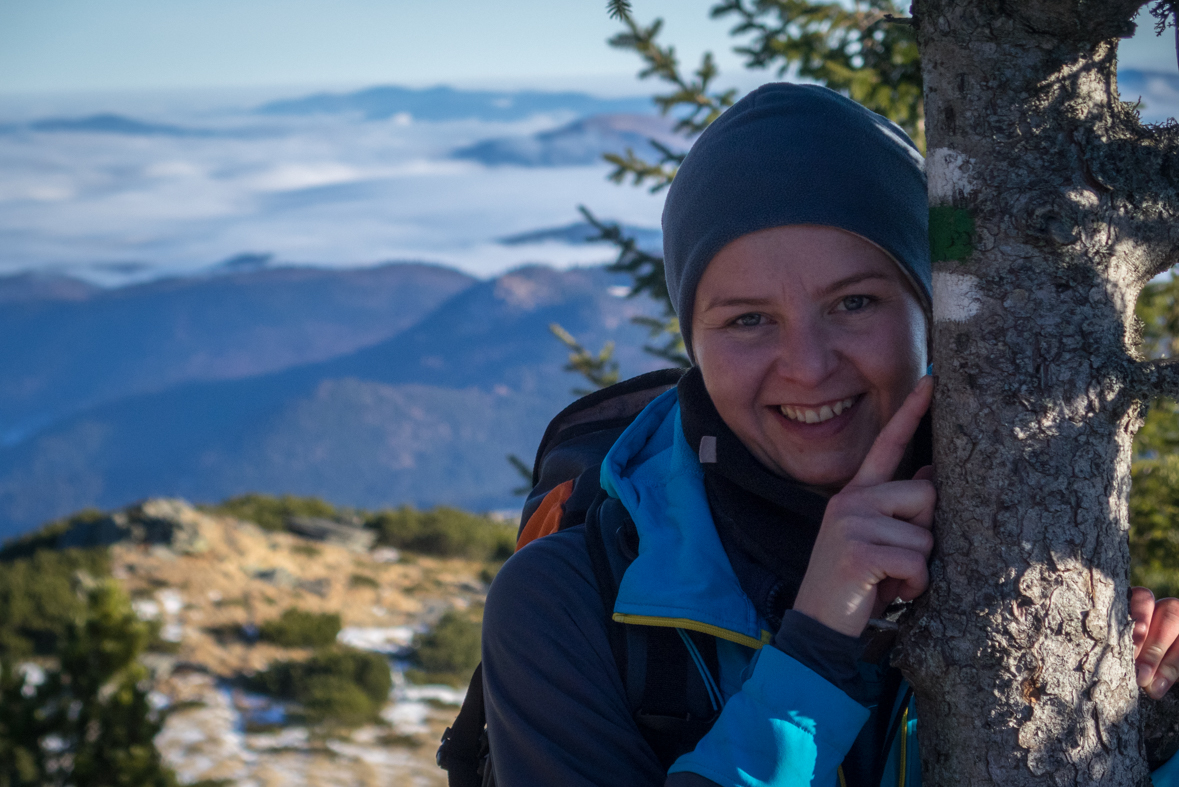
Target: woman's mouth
(816,415)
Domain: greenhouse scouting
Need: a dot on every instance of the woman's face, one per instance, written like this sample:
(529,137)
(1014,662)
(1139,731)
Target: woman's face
(809,339)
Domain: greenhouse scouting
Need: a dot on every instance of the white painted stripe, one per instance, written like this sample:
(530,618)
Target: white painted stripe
(948,175)
(955,297)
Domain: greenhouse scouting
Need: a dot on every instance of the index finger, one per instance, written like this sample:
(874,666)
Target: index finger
(1141,611)
(886,453)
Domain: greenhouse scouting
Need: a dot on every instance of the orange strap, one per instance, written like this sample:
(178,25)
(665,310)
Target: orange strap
(547,516)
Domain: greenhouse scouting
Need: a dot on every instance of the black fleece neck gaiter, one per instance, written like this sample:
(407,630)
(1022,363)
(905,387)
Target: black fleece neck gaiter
(759,516)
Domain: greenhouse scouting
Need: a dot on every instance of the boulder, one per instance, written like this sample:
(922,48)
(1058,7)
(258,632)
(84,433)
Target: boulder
(329,532)
(163,522)
(173,523)
(279,577)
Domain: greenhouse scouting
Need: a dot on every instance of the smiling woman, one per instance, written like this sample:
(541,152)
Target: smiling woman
(755,527)
(809,338)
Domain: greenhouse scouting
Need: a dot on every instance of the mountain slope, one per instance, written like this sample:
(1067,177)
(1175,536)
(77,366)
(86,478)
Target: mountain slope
(425,417)
(580,143)
(65,345)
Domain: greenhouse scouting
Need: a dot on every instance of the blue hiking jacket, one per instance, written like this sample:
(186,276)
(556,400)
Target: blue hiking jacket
(556,705)
(782,724)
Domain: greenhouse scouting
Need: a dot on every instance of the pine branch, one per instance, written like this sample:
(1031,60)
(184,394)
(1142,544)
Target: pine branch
(1166,14)
(525,472)
(645,270)
(672,348)
(600,370)
(854,47)
(694,95)
(639,170)
(661,62)
(618,9)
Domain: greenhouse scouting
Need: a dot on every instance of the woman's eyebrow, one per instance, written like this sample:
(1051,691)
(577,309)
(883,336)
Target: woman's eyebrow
(736,301)
(850,280)
(750,301)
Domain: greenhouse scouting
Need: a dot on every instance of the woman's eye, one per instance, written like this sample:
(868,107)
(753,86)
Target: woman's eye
(854,302)
(748,320)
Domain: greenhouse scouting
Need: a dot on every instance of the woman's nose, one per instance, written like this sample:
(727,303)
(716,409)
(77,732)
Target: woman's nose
(806,354)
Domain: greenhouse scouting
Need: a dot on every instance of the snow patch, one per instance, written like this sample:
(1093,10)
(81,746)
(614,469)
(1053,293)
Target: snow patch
(447,695)
(171,600)
(146,609)
(388,640)
(407,718)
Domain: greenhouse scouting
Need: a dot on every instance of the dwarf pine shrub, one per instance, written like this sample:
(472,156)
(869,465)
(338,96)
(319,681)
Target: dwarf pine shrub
(449,652)
(271,513)
(340,684)
(298,628)
(444,532)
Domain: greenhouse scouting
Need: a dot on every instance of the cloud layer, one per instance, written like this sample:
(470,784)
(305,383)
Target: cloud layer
(115,195)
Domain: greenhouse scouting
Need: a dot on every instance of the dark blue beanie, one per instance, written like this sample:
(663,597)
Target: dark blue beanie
(794,154)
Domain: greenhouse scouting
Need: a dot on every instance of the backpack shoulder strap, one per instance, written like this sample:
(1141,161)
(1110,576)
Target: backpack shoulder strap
(670,674)
(565,487)
(581,434)
(463,753)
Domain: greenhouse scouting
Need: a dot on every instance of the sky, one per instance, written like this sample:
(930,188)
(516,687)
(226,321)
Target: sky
(127,45)
(79,45)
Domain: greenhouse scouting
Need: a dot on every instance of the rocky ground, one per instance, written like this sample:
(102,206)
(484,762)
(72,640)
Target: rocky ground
(216,580)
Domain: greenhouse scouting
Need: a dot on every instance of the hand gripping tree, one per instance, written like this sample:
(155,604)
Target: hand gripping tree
(1052,206)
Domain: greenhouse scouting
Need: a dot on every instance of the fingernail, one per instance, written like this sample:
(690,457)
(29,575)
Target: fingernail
(1144,673)
(1159,688)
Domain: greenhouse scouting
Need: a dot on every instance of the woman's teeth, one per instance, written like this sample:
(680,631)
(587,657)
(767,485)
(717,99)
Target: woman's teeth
(824,413)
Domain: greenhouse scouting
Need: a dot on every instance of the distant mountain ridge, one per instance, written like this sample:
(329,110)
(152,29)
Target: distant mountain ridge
(433,104)
(109,123)
(447,103)
(67,345)
(423,417)
(579,143)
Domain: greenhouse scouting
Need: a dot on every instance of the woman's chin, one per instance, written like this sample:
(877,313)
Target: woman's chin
(824,483)
(810,471)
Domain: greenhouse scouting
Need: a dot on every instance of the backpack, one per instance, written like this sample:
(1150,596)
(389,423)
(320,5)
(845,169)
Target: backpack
(670,674)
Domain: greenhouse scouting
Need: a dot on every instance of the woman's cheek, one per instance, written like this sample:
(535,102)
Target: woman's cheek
(733,373)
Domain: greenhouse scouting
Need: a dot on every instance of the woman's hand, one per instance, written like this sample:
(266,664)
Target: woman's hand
(1156,651)
(874,544)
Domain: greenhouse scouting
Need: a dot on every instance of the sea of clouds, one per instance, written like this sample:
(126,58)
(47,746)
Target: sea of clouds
(169,188)
(176,184)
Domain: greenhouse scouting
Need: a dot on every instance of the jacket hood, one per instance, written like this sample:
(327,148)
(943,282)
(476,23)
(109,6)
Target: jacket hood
(682,576)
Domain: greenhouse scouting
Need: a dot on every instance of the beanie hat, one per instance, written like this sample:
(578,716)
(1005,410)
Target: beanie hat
(794,154)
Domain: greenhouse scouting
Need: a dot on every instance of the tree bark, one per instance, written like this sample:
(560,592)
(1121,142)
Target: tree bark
(1051,207)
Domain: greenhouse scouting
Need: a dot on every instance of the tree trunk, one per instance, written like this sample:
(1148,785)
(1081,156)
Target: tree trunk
(1051,207)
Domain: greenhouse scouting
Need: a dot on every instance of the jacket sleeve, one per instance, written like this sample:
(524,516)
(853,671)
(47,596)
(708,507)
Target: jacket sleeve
(555,703)
(557,711)
(786,727)
(1167,774)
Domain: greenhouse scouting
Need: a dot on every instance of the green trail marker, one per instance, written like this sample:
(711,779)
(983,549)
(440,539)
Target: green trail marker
(951,233)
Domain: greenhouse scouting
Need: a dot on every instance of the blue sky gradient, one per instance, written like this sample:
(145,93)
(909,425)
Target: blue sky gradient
(86,45)
(77,45)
